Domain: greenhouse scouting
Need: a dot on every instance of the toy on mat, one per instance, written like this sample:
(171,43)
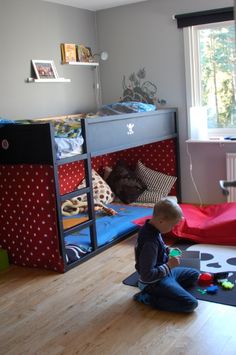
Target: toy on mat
(205,279)
(212,289)
(203,292)
(218,276)
(227,285)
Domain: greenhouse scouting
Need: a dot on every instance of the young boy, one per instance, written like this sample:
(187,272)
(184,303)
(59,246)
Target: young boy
(162,281)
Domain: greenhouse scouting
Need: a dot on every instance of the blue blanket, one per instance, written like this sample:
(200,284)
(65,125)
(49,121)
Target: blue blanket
(110,227)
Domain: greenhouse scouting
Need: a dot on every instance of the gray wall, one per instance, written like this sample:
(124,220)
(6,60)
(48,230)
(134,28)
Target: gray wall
(144,35)
(136,36)
(33,29)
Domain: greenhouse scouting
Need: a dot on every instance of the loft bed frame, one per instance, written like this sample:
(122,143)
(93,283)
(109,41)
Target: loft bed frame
(23,156)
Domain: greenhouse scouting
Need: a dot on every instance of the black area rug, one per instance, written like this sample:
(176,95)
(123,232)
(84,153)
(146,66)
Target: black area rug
(207,258)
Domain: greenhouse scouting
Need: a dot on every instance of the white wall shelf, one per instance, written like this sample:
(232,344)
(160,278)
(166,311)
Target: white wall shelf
(88,64)
(57,80)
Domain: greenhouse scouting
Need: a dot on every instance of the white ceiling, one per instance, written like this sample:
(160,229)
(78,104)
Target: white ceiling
(94,5)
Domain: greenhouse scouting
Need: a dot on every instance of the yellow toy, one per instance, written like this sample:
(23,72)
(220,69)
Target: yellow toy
(227,285)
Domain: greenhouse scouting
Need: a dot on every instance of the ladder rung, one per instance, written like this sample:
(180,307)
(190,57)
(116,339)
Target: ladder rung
(78,227)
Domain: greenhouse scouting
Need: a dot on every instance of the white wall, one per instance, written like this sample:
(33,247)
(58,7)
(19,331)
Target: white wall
(144,35)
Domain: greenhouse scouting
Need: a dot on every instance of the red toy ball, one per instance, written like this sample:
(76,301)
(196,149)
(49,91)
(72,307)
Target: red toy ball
(205,279)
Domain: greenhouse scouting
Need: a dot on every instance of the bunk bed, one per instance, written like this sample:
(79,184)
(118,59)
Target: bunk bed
(35,183)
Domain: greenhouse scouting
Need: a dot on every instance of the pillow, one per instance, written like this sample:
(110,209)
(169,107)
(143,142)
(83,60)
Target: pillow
(158,184)
(75,252)
(101,190)
(124,183)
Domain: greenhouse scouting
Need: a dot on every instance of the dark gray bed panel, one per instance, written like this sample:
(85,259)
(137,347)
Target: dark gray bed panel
(113,133)
(29,144)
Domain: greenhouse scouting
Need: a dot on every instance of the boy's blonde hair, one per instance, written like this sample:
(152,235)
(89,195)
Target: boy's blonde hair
(168,210)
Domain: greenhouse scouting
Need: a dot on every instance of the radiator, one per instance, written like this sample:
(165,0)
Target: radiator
(231,175)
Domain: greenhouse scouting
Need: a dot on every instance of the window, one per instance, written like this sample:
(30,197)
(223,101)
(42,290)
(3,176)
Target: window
(210,74)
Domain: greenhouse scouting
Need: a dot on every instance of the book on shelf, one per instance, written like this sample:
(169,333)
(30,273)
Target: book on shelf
(84,54)
(68,52)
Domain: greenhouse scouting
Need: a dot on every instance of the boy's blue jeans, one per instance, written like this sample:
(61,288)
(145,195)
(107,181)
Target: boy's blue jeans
(170,294)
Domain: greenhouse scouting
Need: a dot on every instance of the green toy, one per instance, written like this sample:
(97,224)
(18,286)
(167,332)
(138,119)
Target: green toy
(4,263)
(203,292)
(227,285)
(175,252)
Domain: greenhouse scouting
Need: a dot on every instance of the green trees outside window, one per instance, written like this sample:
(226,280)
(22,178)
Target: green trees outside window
(217,73)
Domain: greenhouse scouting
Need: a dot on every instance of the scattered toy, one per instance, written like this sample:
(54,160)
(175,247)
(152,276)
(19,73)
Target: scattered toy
(203,292)
(220,276)
(205,279)
(227,285)
(212,289)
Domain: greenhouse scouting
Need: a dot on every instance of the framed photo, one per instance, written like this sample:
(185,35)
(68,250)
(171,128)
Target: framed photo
(84,53)
(45,69)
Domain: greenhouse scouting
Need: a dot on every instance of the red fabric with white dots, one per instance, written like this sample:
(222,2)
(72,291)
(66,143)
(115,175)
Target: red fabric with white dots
(28,223)
(28,216)
(159,156)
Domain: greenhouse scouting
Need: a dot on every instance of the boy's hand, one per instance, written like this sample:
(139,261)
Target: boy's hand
(173,262)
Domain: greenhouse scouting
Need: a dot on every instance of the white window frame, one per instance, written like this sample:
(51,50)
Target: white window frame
(192,70)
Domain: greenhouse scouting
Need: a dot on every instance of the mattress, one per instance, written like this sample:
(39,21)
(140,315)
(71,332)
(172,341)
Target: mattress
(109,228)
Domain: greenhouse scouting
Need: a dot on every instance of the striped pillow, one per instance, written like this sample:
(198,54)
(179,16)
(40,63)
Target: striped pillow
(75,252)
(158,184)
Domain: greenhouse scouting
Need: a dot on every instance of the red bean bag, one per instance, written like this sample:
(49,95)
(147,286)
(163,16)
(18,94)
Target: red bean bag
(212,224)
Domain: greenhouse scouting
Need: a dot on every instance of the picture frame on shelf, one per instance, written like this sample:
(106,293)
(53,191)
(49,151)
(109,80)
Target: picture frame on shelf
(84,54)
(68,52)
(44,69)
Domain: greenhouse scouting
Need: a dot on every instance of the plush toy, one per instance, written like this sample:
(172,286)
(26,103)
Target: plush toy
(74,206)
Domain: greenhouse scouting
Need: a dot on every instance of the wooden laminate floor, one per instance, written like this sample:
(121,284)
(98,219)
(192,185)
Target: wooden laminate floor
(89,311)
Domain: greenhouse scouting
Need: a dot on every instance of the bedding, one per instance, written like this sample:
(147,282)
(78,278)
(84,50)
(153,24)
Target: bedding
(124,183)
(74,253)
(67,129)
(101,190)
(118,108)
(158,184)
(67,133)
(109,227)
(67,147)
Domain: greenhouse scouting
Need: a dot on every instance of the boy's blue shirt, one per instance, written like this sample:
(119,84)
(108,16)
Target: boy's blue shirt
(151,255)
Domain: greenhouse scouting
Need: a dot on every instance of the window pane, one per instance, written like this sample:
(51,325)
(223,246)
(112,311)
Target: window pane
(217,80)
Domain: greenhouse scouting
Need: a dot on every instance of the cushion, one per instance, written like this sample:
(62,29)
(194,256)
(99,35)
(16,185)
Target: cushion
(158,184)
(75,252)
(212,224)
(101,190)
(124,183)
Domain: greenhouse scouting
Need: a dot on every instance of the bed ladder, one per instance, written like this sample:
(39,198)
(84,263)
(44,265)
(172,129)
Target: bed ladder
(91,222)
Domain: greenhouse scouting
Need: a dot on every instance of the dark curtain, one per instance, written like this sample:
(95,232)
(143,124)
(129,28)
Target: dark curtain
(202,17)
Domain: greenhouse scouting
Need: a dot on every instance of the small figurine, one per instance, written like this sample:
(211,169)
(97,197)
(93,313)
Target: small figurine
(227,285)
(212,289)
(175,252)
